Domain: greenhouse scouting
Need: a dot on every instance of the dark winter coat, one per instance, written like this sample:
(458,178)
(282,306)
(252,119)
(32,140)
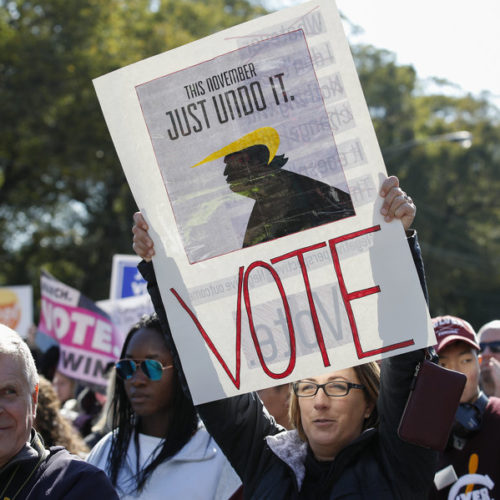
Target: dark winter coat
(36,473)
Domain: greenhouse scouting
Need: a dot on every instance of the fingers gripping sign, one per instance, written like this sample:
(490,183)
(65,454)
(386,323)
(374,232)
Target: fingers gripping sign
(397,204)
(142,243)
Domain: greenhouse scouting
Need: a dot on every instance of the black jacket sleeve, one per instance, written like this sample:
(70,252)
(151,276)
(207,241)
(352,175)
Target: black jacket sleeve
(148,273)
(413,466)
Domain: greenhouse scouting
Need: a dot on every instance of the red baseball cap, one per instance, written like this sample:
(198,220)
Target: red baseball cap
(451,329)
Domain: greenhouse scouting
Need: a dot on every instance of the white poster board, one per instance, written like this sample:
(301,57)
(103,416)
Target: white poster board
(260,289)
(125,313)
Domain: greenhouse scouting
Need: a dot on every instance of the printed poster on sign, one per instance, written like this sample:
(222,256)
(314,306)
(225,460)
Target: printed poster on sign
(253,158)
(87,338)
(16,308)
(264,182)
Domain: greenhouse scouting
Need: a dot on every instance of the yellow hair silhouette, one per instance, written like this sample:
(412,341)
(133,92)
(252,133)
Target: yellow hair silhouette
(266,136)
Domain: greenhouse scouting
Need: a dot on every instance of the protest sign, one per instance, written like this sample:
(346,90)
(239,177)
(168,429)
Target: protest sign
(253,158)
(16,308)
(126,280)
(125,313)
(87,339)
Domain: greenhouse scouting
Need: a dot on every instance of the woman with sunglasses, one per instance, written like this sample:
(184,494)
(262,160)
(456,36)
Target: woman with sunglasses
(345,444)
(157,448)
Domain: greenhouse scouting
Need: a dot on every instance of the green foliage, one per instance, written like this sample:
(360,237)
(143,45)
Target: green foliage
(455,188)
(388,90)
(459,207)
(66,207)
(65,204)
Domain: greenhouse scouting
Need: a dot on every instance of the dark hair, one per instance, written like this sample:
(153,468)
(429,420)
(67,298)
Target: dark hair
(183,420)
(49,361)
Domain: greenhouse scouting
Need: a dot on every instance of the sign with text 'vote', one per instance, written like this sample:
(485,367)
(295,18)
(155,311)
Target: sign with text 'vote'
(87,338)
(253,158)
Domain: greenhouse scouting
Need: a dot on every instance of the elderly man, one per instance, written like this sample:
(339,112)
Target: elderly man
(489,342)
(469,467)
(27,469)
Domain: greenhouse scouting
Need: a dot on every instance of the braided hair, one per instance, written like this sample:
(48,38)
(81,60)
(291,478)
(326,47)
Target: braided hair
(183,421)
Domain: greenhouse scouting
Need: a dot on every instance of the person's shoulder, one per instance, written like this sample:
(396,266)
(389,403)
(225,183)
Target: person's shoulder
(64,472)
(106,439)
(203,439)
(100,450)
(201,446)
(61,461)
(60,457)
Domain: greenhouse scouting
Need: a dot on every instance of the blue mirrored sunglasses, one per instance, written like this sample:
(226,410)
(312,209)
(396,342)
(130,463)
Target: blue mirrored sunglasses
(152,368)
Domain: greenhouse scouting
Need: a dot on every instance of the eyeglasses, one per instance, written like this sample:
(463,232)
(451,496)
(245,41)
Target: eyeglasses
(335,388)
(153,369)
(494,346)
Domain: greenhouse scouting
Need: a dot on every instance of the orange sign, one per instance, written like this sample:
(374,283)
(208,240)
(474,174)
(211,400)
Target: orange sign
(10,310)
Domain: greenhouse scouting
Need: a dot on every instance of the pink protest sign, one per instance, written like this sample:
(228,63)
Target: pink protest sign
(87,338)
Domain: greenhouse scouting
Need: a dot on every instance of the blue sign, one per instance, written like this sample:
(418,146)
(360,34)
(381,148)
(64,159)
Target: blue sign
(126,280)
(133,283)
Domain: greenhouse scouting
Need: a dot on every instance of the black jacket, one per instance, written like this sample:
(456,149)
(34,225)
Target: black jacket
(275,464)
(36,473)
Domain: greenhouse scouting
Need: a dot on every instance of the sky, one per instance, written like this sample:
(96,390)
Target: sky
(456,40)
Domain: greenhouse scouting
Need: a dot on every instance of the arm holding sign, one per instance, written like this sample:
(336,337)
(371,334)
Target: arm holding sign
(369,462)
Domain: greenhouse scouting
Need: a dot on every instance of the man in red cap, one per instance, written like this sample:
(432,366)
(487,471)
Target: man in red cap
(471,462)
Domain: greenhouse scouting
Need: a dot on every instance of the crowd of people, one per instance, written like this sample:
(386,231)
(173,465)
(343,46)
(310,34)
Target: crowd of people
(330,436)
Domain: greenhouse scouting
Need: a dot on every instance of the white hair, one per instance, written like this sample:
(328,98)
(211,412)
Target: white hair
(492,325)
(11,344)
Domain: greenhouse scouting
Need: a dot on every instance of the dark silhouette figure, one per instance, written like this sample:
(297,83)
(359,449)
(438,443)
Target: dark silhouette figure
(285,202)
